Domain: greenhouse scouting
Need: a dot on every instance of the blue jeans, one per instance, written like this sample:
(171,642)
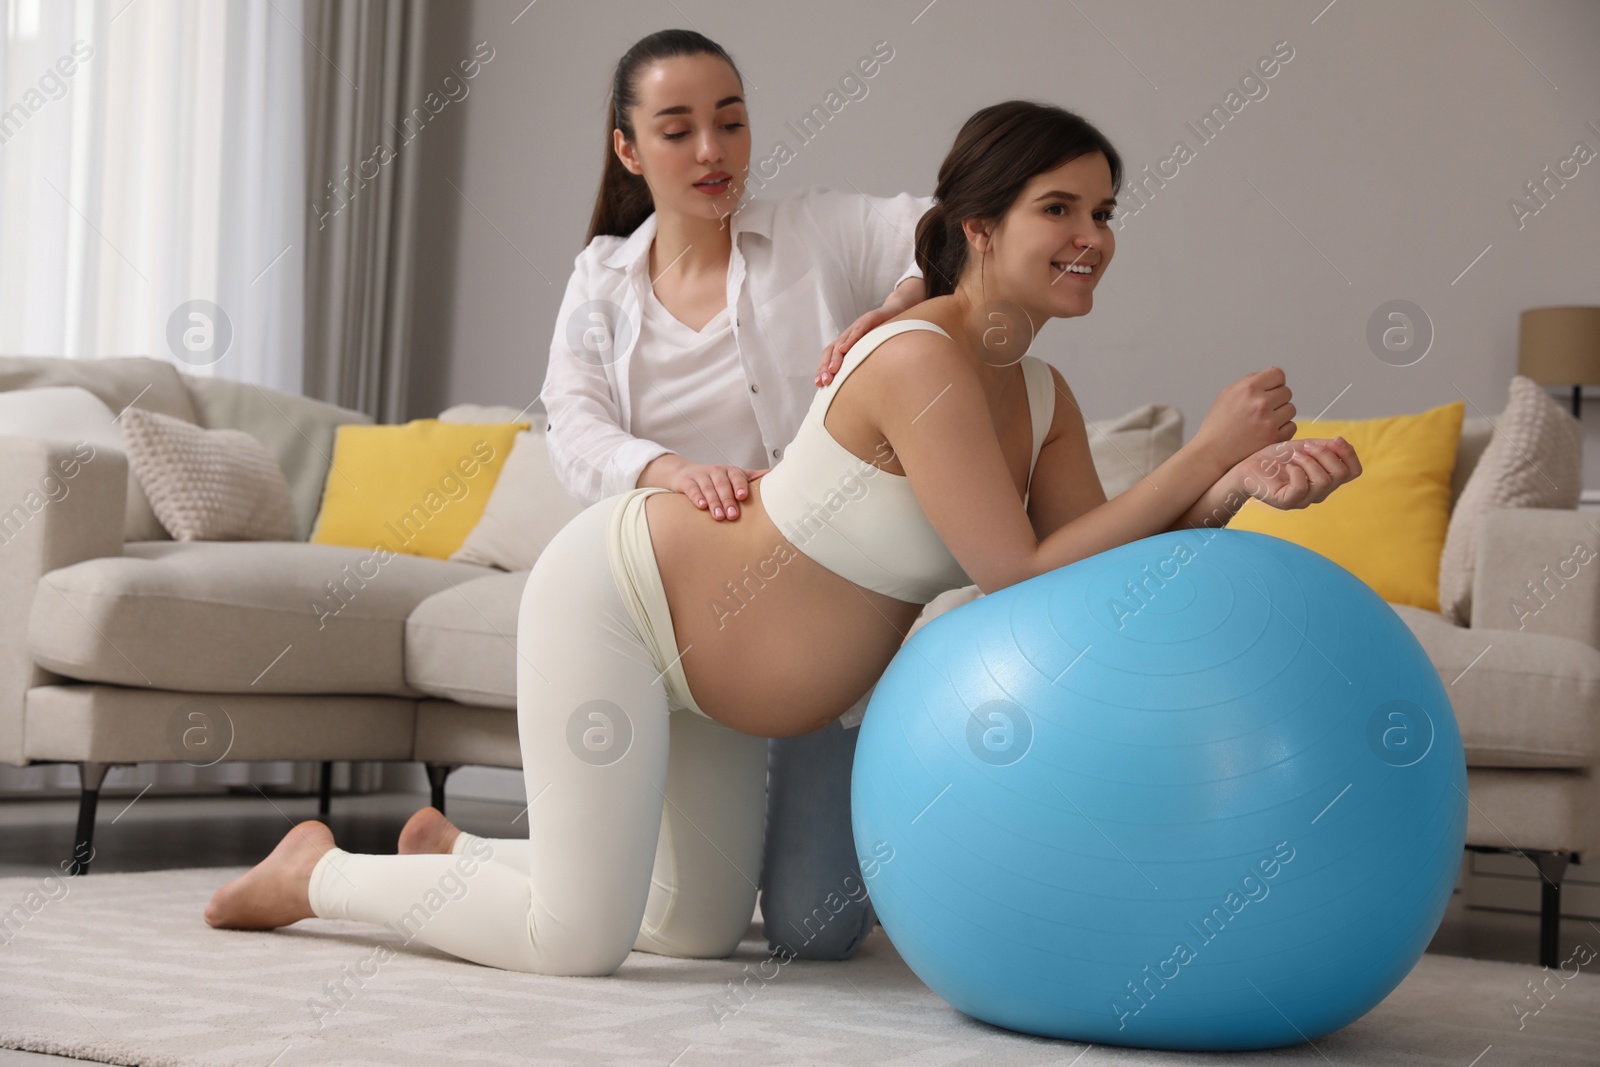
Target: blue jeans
(814,902)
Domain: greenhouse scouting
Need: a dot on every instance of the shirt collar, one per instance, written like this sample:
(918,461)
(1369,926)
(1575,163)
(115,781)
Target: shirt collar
(755,216)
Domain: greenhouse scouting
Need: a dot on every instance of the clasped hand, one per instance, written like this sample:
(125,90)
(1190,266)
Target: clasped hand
(1296,474)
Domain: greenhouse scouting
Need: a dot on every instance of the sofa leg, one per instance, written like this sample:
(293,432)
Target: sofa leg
(437,773)
(1552,868)
(325,790)
(90,776)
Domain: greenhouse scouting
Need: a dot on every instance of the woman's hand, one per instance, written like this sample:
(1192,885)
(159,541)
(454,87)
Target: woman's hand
(833,352)
(714,487)
(1296,474)
(908,293)
(1251,414)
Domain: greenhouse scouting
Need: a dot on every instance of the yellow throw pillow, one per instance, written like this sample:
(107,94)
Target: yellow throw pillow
(418,488)
(1387,527)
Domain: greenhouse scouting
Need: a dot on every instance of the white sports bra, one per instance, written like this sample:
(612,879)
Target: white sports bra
(860,521)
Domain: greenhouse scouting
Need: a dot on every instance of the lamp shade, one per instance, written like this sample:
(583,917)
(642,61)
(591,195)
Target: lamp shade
(1560,345)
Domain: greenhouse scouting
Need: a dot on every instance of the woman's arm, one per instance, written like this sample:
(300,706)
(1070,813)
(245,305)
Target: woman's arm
(592,455)
(930,405)
(1286,475)
(873,240)
(1216,507)
(1066,484)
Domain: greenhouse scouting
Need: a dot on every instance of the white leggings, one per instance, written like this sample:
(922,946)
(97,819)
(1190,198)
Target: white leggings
(626,848)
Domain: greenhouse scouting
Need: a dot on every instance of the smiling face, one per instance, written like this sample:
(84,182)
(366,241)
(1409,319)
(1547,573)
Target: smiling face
(1053,244)
(691,136)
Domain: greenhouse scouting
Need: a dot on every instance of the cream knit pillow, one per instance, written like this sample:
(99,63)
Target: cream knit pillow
(208,485)
(1534,460)
(526,508)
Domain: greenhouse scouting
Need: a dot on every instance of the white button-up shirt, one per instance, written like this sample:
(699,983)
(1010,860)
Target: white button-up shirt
(801,269)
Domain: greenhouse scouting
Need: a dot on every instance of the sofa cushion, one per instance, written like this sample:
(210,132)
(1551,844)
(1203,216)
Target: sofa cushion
(419,487)
(1130,446)
(1534,461)
(152,384)
(72,414)
(526,509)
(297,430)
(236,617)
(1386,527)
(112,723)
(1476,433)
(208,485)
(1557,811)
(1521,699)
(461,643)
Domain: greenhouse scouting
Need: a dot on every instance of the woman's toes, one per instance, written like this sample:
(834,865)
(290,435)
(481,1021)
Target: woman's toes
(428,831)
(275,892)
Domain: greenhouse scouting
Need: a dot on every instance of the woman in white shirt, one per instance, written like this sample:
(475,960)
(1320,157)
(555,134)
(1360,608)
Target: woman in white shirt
(684,356)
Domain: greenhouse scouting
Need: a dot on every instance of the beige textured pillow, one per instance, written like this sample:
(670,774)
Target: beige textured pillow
(208,485)
(1534,460)
(1128,447)
(526,508)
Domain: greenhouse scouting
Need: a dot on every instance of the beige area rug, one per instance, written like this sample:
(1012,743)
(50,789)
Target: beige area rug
(120,968)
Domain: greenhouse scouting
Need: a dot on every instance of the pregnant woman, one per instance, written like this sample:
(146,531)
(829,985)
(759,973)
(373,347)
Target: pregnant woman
(931,461)
(682,359)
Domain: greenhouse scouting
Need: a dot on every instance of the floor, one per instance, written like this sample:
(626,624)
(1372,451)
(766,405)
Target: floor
(152,833)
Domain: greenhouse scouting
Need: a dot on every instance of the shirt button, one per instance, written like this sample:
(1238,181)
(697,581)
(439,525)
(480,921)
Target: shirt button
(777,453)
(755,388)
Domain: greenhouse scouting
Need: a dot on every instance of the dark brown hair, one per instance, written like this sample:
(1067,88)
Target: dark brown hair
(996,153)
(624,200)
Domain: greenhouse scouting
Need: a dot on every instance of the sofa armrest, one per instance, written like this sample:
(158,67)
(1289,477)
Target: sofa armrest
(1538,570)
(60,503)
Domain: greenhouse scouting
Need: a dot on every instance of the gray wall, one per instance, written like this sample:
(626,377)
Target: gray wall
(1378,166)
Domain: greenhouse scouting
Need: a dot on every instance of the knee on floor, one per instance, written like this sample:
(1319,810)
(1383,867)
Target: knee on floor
(818,934)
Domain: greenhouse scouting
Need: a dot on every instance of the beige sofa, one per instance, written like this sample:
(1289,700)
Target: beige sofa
(117,651)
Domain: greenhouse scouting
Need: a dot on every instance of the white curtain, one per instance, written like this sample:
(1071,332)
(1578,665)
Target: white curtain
(152,152)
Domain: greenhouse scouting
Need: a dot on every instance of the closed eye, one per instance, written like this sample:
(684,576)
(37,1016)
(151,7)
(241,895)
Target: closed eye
(685,133)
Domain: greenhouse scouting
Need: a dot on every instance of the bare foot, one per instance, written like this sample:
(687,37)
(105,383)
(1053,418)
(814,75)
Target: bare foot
(275,891)
(428,831)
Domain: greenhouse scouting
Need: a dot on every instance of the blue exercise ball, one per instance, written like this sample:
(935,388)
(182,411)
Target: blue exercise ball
(1203,791)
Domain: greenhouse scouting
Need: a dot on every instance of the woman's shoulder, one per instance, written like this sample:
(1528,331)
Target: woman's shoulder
(909,349)
(1063,416)
(598,250)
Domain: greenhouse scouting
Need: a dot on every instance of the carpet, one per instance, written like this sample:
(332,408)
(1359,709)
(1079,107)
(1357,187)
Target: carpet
(120,968)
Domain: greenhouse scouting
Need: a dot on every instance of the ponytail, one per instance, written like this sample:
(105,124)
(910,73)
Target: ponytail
(624,199)
(936,254)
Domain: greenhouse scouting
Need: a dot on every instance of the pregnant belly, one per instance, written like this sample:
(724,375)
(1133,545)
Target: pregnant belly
(773,643)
